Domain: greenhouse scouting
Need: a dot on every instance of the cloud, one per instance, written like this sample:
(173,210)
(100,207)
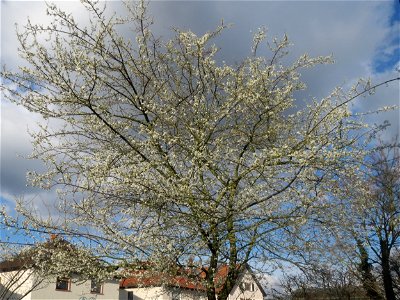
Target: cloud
(43,202)
(384,96)
(15,120)
(356,33)
(15,147)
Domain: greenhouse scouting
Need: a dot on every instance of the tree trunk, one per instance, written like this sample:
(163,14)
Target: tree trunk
(212,269)
(386,274)
(232,266)
(211,294)
(368,280)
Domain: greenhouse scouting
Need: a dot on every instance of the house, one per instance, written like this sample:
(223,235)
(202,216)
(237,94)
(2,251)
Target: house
(61,288)
(20,275)
(18,280)
(183,287)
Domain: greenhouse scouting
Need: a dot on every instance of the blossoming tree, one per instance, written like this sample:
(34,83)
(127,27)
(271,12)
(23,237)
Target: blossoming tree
(163,153)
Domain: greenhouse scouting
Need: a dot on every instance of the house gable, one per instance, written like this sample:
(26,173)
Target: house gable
(247,287)
(148,285)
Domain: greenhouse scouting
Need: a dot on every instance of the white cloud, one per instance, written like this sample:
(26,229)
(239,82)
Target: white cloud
(384,96)
(16,146)
(43,202)
(352,31)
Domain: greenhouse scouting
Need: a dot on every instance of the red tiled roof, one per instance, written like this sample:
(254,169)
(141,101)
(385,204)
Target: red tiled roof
(16,263)
(187,279)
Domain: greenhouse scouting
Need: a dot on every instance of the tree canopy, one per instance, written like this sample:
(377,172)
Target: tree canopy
(161,152)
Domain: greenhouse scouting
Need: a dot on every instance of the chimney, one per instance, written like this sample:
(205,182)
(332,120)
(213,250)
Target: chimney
(53,236)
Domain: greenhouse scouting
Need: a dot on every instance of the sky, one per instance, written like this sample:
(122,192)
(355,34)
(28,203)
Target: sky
(362,36)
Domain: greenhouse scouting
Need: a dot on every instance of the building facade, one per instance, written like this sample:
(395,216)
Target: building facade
(23,284)
(180,288)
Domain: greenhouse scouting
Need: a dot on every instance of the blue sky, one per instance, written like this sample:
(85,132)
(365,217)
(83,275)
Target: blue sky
(388,54)
(363,37)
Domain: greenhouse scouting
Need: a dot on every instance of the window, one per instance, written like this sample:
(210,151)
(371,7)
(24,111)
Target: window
(62,284)
(96,287)
(130,295)
(247,286)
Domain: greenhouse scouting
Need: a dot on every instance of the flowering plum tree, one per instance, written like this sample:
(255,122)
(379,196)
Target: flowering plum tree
(163,153)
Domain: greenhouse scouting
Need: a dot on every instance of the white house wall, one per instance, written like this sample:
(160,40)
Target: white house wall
(238,293)
(159,293)
(151,293)
(191,295)
(23,282)
(79,291)
(111,291)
